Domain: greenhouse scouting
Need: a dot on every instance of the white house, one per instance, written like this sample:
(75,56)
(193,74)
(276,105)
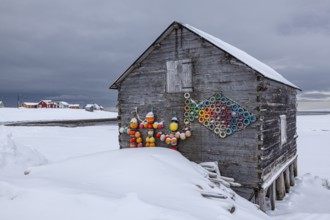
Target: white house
(63,104)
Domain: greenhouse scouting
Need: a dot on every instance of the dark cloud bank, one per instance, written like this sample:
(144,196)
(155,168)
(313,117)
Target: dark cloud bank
(74,50)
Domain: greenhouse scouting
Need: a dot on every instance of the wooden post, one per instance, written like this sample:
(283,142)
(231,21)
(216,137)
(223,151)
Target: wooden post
(261,200)
(280,187)
(272,195)
(295,167)
(287,180)
(292,180)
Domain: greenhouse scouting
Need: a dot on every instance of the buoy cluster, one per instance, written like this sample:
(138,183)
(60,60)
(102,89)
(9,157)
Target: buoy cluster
(219,114)
(136,136)
(174,135)
(171,139)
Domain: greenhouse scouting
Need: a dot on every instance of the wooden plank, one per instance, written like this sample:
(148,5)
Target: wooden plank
(278,163)
(272,195)
(287,180)
(213,195)
(261,200)
(295,167)
(292,179)
(280,187)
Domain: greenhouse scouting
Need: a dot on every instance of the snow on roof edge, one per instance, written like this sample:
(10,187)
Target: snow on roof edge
(249,60)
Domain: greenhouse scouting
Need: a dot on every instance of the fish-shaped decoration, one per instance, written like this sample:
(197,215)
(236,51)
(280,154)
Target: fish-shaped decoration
(219,114)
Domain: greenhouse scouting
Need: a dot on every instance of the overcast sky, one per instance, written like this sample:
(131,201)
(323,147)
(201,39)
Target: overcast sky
(73,50)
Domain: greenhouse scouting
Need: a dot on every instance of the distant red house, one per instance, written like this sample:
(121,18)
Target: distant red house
(47,104)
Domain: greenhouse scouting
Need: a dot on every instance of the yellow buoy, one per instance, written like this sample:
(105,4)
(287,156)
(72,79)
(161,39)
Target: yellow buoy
(152,140)
(174,126)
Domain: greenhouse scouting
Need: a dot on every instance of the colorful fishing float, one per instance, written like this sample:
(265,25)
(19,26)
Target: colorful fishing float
(219,114)
(174,135)
(135,136)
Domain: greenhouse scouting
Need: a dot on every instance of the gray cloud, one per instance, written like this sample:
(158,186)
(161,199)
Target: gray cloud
(75,49)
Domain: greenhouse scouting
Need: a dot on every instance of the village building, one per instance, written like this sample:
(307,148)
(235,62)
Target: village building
(74,106)
(2,105)
(47,104)
(239,111)
(62,104)
(92,107)
(29,105)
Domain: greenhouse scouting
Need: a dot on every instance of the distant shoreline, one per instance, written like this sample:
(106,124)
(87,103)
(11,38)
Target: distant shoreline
(65,123)
(309,112)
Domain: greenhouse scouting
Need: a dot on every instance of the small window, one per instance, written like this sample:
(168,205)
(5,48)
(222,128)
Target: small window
(179,76)
(283,129)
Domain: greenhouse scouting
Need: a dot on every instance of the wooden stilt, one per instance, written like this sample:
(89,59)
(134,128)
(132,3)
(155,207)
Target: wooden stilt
(272,195)
(261,200)
(280,187)
(295,167)
(268,192)
(287,180)
(292,180)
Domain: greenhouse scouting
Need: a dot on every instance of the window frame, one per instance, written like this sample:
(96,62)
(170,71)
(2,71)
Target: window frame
(283,129)
(179,76)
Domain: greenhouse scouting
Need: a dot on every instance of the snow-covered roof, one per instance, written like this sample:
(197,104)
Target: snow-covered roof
(63,103)
(46,101)
(247,59)
(30,103)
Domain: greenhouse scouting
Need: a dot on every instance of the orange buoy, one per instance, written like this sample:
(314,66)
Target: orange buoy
(133,123)
(150,117)
(139,140)
(137,134)
(168,140)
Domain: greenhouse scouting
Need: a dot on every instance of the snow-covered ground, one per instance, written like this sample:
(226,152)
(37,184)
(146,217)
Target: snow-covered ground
(43,114)
(310,198)
(78,173)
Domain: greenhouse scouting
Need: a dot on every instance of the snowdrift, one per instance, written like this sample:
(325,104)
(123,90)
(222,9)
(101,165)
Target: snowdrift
(74,176)
(149,183)
(14,158)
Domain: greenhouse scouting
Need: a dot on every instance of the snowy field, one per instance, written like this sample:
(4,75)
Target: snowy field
(43,114)
(79,173)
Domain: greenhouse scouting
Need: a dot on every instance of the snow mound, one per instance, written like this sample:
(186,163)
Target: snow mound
(16,157)
(149,183)
(308,198)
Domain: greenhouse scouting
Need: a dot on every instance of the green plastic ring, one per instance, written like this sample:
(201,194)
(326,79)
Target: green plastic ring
(222,134)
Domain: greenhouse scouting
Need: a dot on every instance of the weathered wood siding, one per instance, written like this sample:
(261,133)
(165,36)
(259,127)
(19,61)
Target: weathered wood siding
(276,99)
(213,71)
(249,155)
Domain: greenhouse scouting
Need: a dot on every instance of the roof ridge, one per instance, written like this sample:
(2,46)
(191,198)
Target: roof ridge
(241,55)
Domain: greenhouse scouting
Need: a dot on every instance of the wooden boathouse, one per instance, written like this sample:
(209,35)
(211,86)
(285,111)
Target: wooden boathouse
(237,110)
